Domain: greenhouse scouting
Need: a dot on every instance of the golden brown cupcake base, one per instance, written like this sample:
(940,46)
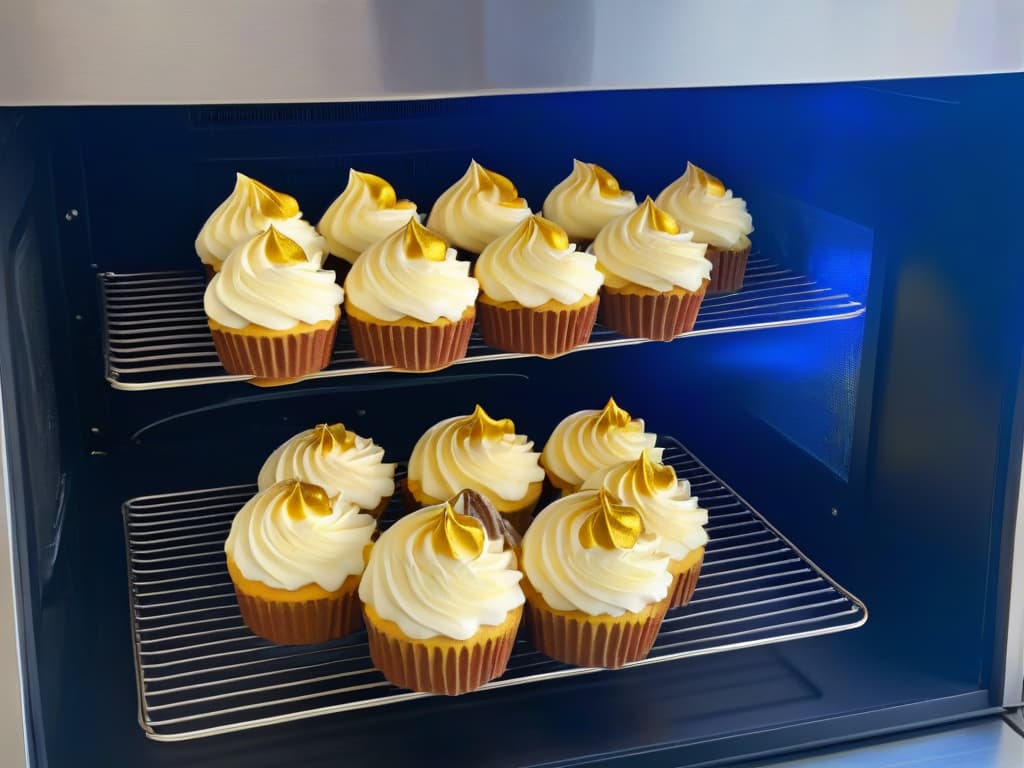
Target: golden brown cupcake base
(641,313)
(408,344)
(275,357)
(686,572)
(440,664)
(577,638)
(549,331)
(727,268)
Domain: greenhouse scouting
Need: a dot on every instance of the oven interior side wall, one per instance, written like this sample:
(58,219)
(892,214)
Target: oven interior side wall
(879,445)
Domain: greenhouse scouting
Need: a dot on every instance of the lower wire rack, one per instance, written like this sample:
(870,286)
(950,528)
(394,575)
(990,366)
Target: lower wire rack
(201,672)
(155,334)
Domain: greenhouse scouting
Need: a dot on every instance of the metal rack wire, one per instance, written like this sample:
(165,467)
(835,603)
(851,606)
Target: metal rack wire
(155,334)
(201,672)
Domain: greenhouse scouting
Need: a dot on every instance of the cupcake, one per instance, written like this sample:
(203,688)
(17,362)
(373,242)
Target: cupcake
(655,276)
(701,204)
(272,312)
(589,441)
(441,597)
(668,510)
(479,453)
(249,210)
(337,460)
(596,582)
(366,211)
(538,295)
(295,557)
(410,303)
(478,208)
(585,201)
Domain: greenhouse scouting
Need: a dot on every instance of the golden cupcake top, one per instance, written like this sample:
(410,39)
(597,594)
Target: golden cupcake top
(586,200)
(611,525)
(279,248)
(269,202)
(702,204)
(421,243)
(460,537)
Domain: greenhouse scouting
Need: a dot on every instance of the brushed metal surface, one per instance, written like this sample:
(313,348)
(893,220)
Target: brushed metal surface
(237,51)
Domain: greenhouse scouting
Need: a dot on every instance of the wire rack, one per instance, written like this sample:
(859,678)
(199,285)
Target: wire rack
(155,334)
(201,672)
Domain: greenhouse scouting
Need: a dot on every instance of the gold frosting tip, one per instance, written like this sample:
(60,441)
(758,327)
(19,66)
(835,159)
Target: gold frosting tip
(612,416)
(269,202)
(553,234)
(611,525)
(421,243)
(460,537)
(329,437)
(657,218)
(483,427)
(713,185)
(607,184)
(383,194)
(652,476)
(281,249)
(305,499)
(508,195)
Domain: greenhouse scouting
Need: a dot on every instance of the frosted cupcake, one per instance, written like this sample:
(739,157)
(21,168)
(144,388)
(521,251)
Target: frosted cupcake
(366,211)
(410,302)
(477,209)
(295,557)
(339,461)
(655,276)
(585,201)
(538,294)
(595,580)
(272,312)
(441,597)
(587,442)
(479,453)
(249,210)
(701,204)
(668,510)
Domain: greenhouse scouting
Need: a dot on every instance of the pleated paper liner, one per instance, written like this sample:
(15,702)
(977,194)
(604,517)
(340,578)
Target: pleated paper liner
(408,344)
(727,268)
(275,357)
(301,622)
(686,572)
(548,331)
(577,638)
(519,519)
(440,664)
(644,314)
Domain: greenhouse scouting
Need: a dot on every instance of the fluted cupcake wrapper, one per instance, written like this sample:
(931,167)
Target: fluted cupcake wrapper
(684,585)
(577,638)
(547,333)
(727,269)
(301,623)
(660,317)
(440,665)
(276,358)
(408,347)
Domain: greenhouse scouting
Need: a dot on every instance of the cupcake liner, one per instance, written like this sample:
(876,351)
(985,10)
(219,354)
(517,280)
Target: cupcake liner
(275,357)
(287,622)
(685,579)
(547,333)
(440,664)
(577,638)
(656,316)
(727,269)
(420,347)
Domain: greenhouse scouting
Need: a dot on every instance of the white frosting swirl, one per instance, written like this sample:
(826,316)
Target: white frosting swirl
(475,452)
(664,503)
(479,207)
(535,263)
(366,211)
(646,248)
(586,200)
(589,441)
(267,281)
(427,593)
(337,460)
(571,577)
(702,204)
(288,543)
(392,280)
(250,209)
